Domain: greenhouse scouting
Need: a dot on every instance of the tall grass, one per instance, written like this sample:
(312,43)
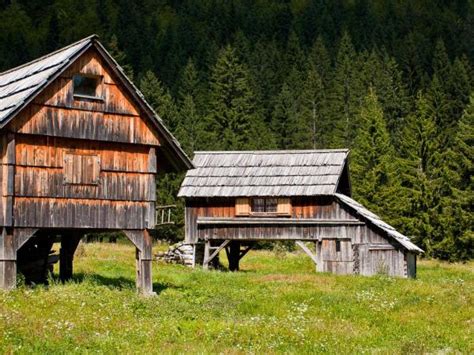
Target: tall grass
(275,304)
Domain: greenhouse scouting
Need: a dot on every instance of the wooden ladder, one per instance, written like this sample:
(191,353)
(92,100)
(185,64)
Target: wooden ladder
(163,215)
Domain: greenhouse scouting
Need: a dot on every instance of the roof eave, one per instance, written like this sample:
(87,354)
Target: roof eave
(414,249)
(41,87)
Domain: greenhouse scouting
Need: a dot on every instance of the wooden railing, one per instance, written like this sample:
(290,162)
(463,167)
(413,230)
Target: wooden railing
(163,215)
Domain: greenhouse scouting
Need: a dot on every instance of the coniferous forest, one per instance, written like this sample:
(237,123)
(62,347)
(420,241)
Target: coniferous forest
(392,80)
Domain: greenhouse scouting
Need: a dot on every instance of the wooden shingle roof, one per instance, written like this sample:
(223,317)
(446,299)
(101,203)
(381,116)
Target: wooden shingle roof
(264,173)
(17,85)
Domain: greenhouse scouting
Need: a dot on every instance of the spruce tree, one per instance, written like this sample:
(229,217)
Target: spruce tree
(160,99)
(233,118)
(319,58)
(373,169)
(312,134)
(119,56)
(286,117)
(381,72)
(266,67)
(418,148)
(464,191)
(345,95)
(190,129)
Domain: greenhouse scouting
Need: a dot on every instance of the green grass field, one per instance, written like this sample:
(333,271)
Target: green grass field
(277,303)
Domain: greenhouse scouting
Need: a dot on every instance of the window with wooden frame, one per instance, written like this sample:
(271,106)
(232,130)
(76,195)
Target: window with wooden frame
(87,86)
(263,206)
(81,169)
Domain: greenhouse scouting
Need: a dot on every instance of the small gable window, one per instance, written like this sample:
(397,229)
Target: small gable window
(87,86)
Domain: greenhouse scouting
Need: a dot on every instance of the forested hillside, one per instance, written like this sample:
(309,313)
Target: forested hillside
(392,80)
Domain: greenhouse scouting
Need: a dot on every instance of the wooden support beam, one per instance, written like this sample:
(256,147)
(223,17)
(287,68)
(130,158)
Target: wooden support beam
(207,251)
(234,255)
(243,252)
(207,248)
(143,243)
(319,256)
(303,246)
(11,239)
(69,243)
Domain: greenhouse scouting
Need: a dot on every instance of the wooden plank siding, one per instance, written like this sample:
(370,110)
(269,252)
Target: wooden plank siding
(83,213)
(124,196)
(302,207)
(58,136)
(48,152)
(363,250)
(114,117)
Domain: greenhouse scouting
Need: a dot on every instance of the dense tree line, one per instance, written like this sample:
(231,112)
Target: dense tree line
(392,80)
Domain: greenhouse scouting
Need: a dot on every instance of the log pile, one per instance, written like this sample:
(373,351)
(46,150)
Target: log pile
(180,253)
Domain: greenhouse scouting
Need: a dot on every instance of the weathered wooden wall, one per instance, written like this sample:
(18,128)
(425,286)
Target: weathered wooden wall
(56,112)
(363,250)
(54,130)
(304,208)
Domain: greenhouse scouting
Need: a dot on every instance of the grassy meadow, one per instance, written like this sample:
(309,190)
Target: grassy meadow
(277,303)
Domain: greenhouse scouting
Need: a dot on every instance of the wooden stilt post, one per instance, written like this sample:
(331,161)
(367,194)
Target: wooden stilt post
(207,253)
(7,260)
(11,240)
(208,257)
(69,245)
(319,257)
(138,274)
(146,264)
(234,255)
(143,243)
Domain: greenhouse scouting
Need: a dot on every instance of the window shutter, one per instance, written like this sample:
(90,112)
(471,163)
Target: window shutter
(284,206)
(242,207)
(81,169)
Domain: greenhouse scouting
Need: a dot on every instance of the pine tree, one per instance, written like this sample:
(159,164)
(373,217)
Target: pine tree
(313,117)
(441,64)
(435,209)
(345,95)
(320,59)
(464,191)
(233,118)
(160,99)
(381,72)
(418,148)
(285,117)
(266,67)
(190,129)
(119,56)
(373,169)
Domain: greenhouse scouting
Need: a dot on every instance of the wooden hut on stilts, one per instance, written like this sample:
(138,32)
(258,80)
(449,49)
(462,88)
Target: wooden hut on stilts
(234,199)
(80,151)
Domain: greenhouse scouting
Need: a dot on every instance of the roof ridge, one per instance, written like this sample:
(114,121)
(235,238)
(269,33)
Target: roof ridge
(296,151)
(88,38)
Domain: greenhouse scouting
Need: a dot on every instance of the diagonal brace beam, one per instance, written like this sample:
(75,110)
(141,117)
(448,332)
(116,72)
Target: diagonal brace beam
(217,251)
(243,252)
(307,250)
